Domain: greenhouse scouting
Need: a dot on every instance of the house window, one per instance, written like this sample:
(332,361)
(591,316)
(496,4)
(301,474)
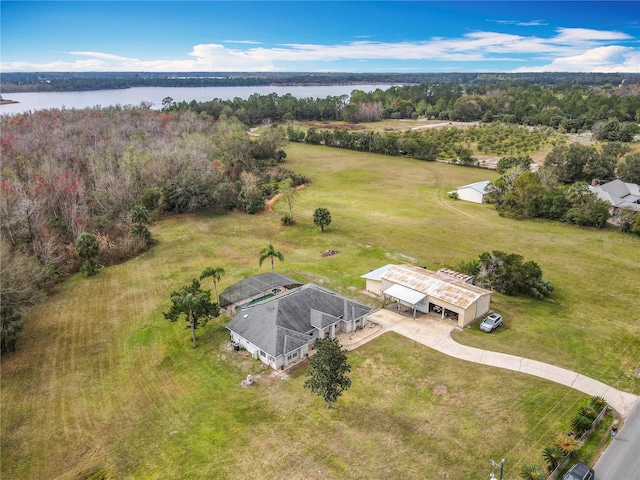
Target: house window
(292,356)
(262,354)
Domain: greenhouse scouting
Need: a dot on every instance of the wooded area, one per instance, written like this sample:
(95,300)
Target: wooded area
(565,107)
(560,189)
(66,172)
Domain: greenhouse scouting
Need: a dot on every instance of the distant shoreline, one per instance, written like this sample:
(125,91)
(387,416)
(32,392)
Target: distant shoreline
(26,82)
(7,102)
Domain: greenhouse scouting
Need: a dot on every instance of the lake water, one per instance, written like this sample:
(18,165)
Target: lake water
(155,95)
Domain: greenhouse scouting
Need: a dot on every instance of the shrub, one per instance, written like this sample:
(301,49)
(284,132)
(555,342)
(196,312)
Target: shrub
(287,220)
(507,273)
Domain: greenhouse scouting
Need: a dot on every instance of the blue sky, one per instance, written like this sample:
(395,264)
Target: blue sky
(336,36)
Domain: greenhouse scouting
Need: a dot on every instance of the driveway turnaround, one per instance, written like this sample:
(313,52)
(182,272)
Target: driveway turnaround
(436,334)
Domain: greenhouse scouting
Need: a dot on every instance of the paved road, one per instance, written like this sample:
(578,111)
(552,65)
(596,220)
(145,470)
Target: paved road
(621,460)
(436,334)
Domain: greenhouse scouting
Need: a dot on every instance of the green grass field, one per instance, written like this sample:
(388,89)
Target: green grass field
(103,386)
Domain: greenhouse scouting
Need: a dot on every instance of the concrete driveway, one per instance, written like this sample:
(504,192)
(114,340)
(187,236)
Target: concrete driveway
(436,333)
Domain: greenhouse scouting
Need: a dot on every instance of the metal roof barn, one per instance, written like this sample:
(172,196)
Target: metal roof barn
(427,291)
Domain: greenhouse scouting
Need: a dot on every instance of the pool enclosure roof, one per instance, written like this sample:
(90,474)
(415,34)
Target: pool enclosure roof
(254,286)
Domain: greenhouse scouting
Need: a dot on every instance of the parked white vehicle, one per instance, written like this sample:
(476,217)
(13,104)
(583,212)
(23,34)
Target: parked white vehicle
(491,322)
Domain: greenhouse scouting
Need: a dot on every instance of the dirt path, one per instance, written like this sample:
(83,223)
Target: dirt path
(270,202)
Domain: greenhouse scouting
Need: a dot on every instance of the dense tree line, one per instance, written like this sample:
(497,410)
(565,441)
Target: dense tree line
(261,108)
(611,109)
(569,108)
(77,81)
(101,171)
(560,189)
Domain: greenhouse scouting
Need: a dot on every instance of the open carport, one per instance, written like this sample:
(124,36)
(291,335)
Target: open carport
(404,296)
(426,291)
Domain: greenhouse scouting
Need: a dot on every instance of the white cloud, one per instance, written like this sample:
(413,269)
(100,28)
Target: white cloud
(214,57)
(248,42)
(601,59)
(569,49)
(574,35)
(530,23)
(93,65)
(104,56)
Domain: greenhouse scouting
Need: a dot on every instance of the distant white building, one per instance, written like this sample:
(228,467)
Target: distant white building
(618,194)
(474,192)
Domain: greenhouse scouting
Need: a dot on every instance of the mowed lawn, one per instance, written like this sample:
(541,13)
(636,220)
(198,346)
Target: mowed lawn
(103,386)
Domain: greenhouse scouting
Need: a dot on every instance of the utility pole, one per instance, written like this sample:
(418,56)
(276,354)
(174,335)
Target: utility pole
(494,465)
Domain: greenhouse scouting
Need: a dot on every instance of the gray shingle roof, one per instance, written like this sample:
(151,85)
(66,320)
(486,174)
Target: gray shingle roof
(283,324)
(619,194)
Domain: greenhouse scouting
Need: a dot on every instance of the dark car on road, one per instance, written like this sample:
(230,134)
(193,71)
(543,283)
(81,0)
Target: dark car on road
(492,322)
(580,471)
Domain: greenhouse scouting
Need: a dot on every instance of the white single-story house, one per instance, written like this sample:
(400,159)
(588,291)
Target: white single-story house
(427,291)
(280,330)
(618,194)
(474,192)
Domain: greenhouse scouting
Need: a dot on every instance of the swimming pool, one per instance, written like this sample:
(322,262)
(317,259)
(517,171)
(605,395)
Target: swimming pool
(259,299)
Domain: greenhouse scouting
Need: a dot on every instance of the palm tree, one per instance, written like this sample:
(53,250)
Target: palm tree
(580,424)
(553,455)
(87,247)
(270,252)
(531,472)
(140,216)
(215,273)
(568,443)
(186,303)
(10,325)
(588,411)
(599,402)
